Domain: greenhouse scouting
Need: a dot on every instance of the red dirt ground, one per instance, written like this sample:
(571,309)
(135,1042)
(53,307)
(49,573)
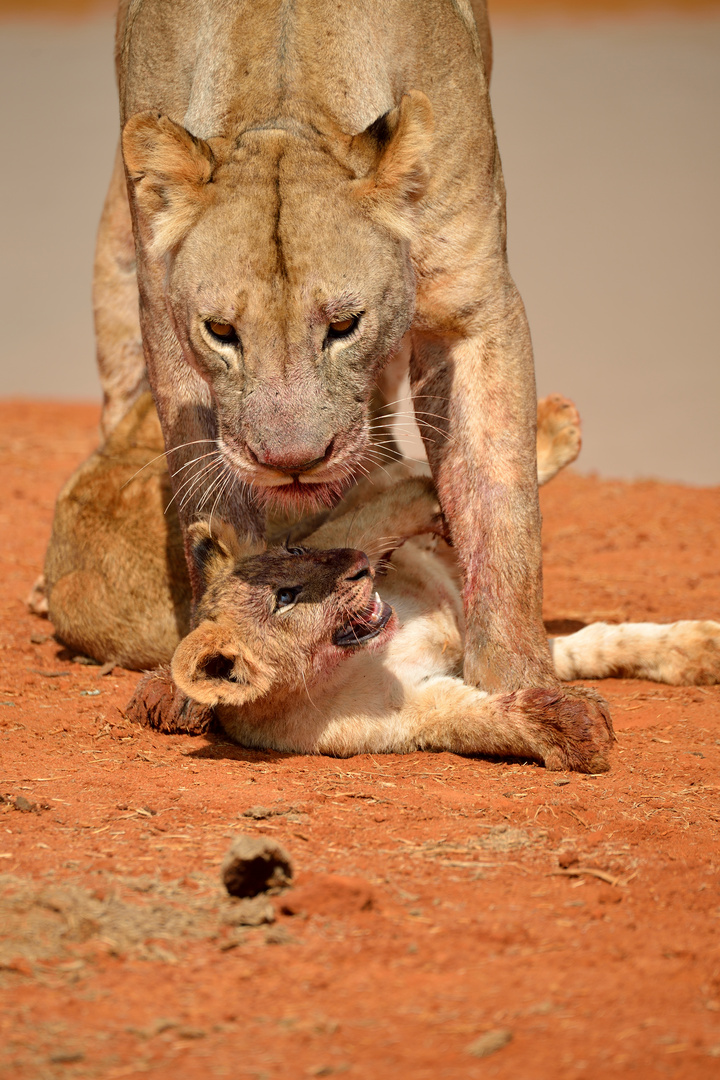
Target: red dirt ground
(438,898)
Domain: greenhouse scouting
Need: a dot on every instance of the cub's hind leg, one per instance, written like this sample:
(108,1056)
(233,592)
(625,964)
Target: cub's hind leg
(378,526)
(559,437)
(683,653)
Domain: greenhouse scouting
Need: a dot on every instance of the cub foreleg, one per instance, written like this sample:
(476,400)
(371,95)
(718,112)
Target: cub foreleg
(682,653)
(564,728)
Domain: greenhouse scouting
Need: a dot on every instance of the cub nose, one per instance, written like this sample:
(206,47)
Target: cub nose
(360,568)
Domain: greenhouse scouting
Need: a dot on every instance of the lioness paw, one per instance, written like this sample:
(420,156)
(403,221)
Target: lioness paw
(559,437)
(574,729)
(157,703)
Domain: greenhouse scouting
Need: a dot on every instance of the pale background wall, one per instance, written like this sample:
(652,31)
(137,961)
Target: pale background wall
(608,131)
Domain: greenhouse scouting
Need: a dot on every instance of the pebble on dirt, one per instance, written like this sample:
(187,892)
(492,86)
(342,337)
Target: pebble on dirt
(250,911)
(253,865)
(490,1042)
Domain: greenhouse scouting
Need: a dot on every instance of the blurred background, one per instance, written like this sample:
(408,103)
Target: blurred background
(608,121)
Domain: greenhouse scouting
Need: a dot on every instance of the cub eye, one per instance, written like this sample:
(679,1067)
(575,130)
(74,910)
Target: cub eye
(285,598)
(223,332)
(295,550)
(341,328)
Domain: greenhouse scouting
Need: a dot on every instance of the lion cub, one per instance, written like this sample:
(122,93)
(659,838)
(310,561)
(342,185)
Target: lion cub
(296,649)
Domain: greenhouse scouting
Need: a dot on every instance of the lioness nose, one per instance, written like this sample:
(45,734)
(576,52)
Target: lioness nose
(295,459)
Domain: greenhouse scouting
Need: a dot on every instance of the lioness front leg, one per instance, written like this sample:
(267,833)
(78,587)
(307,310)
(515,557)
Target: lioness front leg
(480,391)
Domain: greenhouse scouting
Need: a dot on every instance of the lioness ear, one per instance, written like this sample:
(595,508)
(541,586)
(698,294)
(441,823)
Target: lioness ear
(403,138)
(211,667)
(171,170)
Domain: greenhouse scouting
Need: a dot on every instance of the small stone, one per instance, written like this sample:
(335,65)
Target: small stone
(254,864)
(568,858)
(278,935)
(23,804)
(562,782)
(66,1057)
(490,1042)
(258,813)
(39,639)
(250,911)
(231,942)
(191,1033)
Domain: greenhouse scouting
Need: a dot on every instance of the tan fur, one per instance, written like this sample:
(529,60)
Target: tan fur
(115,570)
(685,653)
(288,160)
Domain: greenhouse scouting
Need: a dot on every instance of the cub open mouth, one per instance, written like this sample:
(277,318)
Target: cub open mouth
(364,625)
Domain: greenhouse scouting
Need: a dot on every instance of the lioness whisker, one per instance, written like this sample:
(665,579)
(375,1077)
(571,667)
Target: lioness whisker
(399,456)
(201,476)
(165,453)
(415,397)
(193,461)
(190,480)
(211,489)
(227,483)
(418,419)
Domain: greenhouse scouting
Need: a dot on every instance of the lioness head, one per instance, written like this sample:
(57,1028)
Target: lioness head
(275,620)
(288,278)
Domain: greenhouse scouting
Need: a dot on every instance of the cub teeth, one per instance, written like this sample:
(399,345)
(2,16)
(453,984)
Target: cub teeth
(377,609)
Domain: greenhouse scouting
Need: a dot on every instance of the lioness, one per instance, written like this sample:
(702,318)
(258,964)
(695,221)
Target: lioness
(116,580)
(296,650)
(309,198)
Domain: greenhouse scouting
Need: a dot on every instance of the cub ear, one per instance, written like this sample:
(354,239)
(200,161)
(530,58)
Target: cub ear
(212,667)
(216,548)
(402,140)
(212,550)
(171,170)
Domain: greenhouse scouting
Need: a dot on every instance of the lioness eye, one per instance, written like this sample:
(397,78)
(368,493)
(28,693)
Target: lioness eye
(224,332)
(343,327)
(285,598)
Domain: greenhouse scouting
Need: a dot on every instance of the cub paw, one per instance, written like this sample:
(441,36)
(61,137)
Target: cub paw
(559,437)
(157,703)
(574,730)
(37,600)
(693,655)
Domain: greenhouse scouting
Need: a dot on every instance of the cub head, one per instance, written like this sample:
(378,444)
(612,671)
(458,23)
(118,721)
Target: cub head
(284,258)
(277,620)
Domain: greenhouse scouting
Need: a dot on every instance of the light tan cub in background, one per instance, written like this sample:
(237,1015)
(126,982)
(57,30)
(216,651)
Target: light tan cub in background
(297,651)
